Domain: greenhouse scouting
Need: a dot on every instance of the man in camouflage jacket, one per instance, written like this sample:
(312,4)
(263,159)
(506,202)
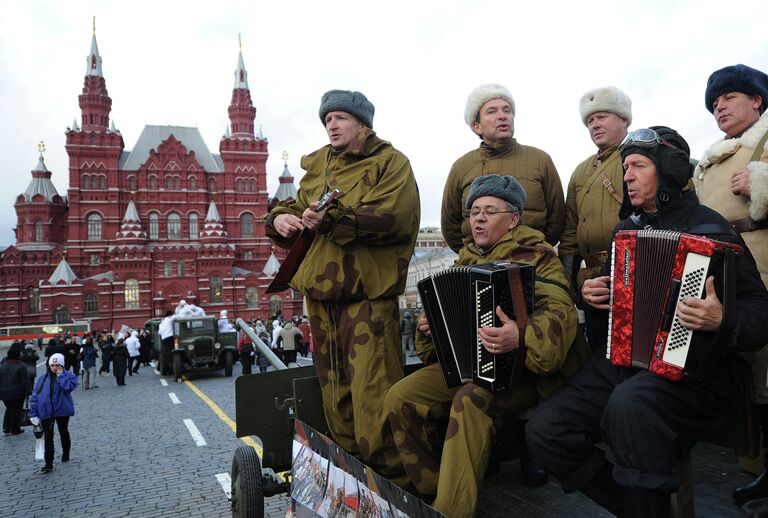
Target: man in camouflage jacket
(419,403)
(354,271)
(490,113)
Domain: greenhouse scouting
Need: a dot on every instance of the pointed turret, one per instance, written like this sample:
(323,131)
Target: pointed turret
(213,229)
(241,110)
(286,189)
(130,229)
(62,273)
(95,102)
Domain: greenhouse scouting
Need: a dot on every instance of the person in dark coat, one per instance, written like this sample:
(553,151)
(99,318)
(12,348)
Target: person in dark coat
(649,421)
(15,385)
(120,361)
(72,355)
(107,347)
(55,346)
(29,358)
(145,347)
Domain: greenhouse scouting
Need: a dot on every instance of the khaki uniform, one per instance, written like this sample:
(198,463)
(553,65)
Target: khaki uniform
(592,212)
(712,179)
(351,277)
(533,168)
(452,462)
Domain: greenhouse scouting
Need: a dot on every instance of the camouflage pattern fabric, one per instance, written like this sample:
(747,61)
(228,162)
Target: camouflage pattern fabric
(444,435)
(358,358)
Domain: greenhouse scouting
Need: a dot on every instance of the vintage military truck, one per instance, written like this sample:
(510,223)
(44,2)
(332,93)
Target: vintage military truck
(197,344)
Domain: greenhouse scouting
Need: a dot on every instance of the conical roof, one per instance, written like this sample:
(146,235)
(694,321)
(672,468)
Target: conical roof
(63,273)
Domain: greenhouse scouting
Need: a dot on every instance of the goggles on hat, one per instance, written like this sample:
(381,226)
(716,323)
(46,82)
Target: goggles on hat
(644,137)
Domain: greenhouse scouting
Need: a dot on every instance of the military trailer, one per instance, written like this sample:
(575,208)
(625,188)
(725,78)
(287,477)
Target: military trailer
(197,344)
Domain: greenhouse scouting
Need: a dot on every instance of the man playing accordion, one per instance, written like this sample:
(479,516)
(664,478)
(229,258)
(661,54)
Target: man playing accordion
(451,463)
(646,420)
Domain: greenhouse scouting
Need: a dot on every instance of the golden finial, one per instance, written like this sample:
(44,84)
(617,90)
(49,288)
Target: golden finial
(240,42)
(285,158)
(41,148)
(94,26)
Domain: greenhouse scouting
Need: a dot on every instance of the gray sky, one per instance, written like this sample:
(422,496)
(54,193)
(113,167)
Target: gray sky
(172,62)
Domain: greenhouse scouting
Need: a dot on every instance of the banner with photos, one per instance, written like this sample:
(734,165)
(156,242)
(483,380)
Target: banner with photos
(330,483)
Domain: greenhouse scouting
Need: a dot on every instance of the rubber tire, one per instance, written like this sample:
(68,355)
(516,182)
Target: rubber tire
(228,361)
(247,494)
(178,366)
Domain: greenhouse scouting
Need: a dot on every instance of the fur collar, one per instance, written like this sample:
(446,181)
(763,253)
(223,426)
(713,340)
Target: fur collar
(749,139)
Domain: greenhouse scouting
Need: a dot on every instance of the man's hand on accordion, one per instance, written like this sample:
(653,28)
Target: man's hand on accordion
(701,314)
(596,292)
(502,339)
(423,324)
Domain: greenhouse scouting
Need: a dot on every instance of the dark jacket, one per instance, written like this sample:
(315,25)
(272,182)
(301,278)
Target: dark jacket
(120,359)
(14,380)
(746,327)
(55,400)
(89,354)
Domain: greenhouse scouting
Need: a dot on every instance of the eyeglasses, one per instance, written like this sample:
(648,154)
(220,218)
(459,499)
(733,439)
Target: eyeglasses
(644,137)
(489,213)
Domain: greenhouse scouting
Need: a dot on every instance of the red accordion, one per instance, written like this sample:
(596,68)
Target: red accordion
(651,271)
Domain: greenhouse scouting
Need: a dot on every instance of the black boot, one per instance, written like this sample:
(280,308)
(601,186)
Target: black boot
(604,491)
(758,488)
(644,503)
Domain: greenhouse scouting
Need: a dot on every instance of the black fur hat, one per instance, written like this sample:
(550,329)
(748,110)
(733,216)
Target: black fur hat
(736,78)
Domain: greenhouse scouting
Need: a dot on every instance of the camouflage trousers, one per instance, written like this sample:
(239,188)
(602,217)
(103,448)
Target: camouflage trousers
(358,357)
(444,435)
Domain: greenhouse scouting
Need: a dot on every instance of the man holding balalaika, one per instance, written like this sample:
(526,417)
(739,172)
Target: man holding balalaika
(437,459)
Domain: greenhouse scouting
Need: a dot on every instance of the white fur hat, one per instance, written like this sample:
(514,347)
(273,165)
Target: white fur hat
(606,99)
(223,313)
(481,95)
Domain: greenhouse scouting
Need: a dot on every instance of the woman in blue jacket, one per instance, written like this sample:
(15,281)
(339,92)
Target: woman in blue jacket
(52,402)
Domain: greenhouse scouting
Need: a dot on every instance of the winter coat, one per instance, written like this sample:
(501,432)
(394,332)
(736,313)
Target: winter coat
(591,210)
(120,360)
(52,396)
(290,336)
(133,344)
(407,326)
(552,326)
(533,168)
(89,356)
(29,358)
(364,246)
(712,179)
(14,380)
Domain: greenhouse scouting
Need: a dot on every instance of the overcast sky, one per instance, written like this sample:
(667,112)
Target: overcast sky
(169,62)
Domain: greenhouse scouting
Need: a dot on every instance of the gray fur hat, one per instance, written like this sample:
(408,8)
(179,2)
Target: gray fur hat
(481,95)
(605,99)
(736,78)
(505,187)
(346,101)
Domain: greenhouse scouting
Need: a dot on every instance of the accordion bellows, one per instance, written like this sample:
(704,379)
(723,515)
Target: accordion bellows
(461,299)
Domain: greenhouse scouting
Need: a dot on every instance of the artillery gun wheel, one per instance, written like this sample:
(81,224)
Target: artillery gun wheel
(228,361)
(178,366)
(247,494)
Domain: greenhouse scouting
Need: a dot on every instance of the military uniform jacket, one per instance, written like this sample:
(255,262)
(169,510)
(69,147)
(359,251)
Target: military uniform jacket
(533,168)
(591,210)
(363,248)
(712,179)
(553,324)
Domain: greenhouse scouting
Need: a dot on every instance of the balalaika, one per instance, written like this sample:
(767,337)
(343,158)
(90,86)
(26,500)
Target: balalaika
(651,271)
(458,301)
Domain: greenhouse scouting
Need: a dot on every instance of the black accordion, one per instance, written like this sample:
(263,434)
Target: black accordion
(461,299)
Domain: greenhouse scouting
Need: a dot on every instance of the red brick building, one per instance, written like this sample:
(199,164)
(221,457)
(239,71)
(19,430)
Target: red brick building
(140,229)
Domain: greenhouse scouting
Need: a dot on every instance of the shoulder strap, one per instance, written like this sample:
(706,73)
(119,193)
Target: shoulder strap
(521,317)
(609,187)
(758,152)
(711,228)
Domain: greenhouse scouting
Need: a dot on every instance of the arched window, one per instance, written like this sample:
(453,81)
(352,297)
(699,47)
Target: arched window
(102,182)
(154,226)
(33,296)
(174,226)
(153,182)
(194,232)
(192,183)
(176,183)
(248,255)
(167,268)
(251,297)
(38,230)
(215,289)
(131,294)
(86,182)
(253,185)
(211,185)
(94,227)
(61,314)
(168,183)
(132,183)
(239,185)
(275,304)
(180,268)
(246,225)
(91,306)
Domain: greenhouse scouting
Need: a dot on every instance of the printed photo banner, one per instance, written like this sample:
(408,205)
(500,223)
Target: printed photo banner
(330,483)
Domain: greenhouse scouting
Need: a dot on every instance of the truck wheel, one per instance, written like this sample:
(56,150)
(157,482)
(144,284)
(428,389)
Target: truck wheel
(178,366)
(247,495)
(161,368)
(228,361)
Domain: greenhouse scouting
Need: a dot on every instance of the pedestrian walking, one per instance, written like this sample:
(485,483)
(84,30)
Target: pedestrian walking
(134,345)
(107,346)
(88,355)
(14,387)
(145,347)
(51,402)
(245,346)
(29,358)
(289,340)
(120,361)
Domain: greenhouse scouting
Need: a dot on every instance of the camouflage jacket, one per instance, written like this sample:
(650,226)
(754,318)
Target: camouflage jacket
(545,204)
(365,243)
(552,327)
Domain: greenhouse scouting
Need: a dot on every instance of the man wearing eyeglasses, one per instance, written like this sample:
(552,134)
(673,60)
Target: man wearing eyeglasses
(419,403)
(594,191)
(490,113)
(732,178)
(647,421)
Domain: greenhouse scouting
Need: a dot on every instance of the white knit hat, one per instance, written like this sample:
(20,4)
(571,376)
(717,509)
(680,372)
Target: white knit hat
(481,95)
(606,99)
(56,359)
